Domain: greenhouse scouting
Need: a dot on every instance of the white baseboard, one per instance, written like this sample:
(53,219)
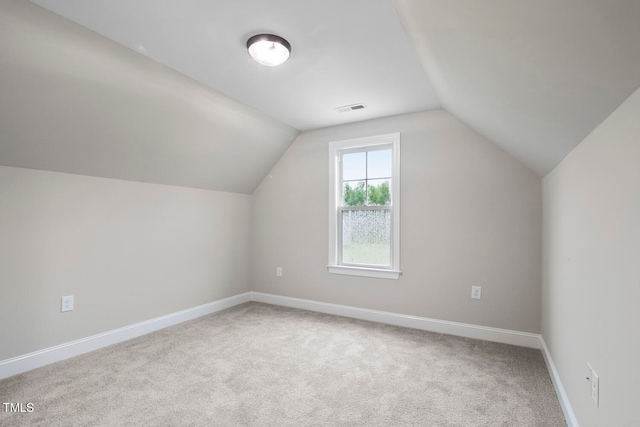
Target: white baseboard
(17,365)
(569,415)
(523,339)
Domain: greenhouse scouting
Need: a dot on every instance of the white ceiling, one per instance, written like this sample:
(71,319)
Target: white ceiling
(343,52)
(184,104)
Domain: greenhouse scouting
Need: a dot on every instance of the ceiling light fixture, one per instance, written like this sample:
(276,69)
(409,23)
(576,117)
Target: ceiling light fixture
(269,49)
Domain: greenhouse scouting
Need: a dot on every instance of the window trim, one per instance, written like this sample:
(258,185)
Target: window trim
(335,187)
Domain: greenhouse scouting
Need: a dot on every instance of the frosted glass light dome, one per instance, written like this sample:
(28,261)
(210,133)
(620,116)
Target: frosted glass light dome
(268,49)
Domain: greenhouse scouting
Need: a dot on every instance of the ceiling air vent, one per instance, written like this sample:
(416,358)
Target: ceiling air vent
(352,107)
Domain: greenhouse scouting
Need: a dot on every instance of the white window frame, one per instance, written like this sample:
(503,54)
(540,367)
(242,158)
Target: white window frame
(335,194)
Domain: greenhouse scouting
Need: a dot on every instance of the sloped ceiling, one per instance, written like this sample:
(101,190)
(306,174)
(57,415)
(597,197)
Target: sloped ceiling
(163,91)
(72,101)
(343,52)
(534,77)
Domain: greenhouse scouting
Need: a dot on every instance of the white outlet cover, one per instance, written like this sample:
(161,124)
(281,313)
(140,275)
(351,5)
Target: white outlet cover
(476,292)
(67,303)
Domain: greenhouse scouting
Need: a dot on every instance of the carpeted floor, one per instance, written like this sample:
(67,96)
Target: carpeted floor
(262,365)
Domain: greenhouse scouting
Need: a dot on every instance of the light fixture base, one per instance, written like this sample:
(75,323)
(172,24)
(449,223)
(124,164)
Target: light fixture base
(269,49)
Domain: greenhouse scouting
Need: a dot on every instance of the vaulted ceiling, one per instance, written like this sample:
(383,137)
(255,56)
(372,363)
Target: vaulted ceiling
(534,77)
(164,91)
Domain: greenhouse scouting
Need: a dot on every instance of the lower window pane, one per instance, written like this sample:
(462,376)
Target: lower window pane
(366,237)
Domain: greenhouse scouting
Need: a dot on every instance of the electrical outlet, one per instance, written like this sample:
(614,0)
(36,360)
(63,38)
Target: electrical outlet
(278,271)
(595,387)
(476,292)
(67,303)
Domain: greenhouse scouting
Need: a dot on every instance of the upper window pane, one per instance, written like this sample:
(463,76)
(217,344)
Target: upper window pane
(379,164)
(354,166)
(366,177)
(354,193)
(378,192)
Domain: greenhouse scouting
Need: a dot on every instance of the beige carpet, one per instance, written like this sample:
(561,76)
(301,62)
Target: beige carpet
(263,365)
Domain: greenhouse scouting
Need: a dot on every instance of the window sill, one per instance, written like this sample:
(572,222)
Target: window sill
(365,272)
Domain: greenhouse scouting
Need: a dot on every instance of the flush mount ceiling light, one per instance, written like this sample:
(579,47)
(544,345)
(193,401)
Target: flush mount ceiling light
(268,49)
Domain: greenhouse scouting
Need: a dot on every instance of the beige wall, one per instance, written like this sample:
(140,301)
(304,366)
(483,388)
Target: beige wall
(471,215)
(127,251)
(591,269)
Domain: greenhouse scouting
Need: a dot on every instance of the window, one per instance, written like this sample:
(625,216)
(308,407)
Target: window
(364,207)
